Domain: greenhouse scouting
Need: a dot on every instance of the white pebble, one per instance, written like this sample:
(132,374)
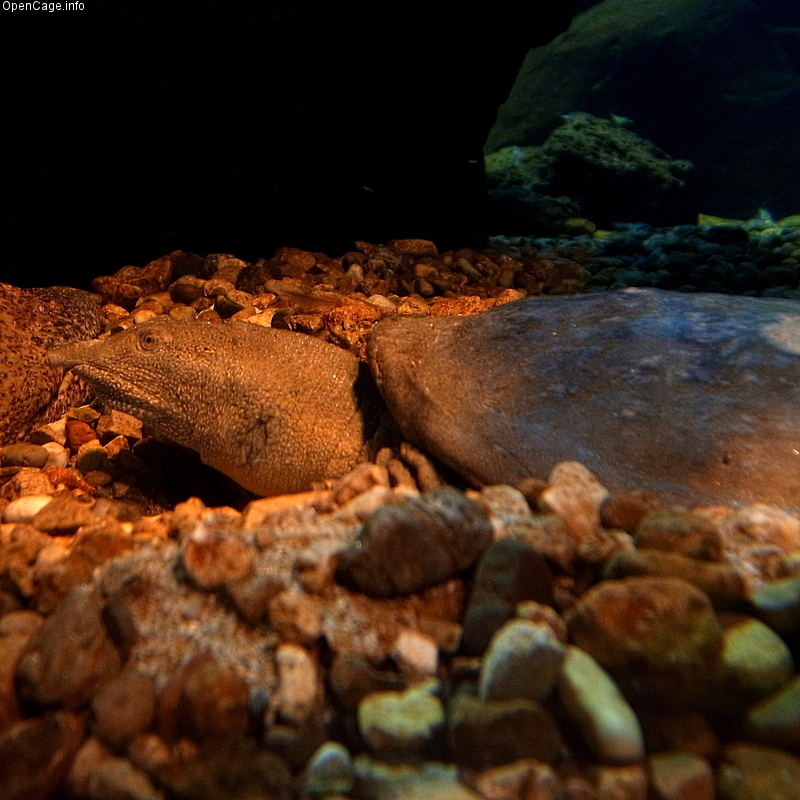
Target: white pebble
(299,687)
(58,455)
(24,509)
(598,708)
(415,652)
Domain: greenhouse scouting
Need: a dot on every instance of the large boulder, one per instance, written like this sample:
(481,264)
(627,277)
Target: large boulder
(712,81)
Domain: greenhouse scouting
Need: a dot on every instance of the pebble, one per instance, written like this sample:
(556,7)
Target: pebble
(430,780)
(97,774)
(24,509)
(63,515)
(416,544)
(508,573)
(658,635)
(598,709)
(415,653)
(36,754)
(629,782)
(214,701)
(754,661)
(723,583)
(57,455)
(124,707)
(776,719)
(526,778)
(78,433)
(778,604)
(117,423)
(402,723)
(23,455)
(213,558)
(329,771)
(70,656)
(487,733)
(299,689)
(575,495)
(523,661)
(751,772)
(676,530)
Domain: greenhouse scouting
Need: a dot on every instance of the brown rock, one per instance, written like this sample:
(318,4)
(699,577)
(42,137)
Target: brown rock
(93,457)
(214,702)
(688,732)
(26,481)
(527,778)
(70,656)
(186,289)
(575,495)
(547,534)
(20,621)
(35,754)
(416,544)
(12,646)
(78,433)
(352,679)
(296,616)
(625,510)
(239,769)
(124,707)
(508,573)
(680,776)
(659,637)
(18,555)
(23,455)
(487,733)
(98,774)
(415,247)
(724,584)
(117,423)
(678,531)
(55,580)
(63,515)
(751,772)
(214,558)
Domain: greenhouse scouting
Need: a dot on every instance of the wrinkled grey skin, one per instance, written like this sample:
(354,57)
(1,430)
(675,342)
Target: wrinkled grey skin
(273,410)
(694,397)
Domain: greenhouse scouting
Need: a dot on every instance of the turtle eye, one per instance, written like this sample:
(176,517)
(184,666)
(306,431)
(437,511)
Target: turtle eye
(148,340)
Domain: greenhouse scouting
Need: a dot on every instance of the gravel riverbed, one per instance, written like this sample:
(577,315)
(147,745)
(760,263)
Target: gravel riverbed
(388,634)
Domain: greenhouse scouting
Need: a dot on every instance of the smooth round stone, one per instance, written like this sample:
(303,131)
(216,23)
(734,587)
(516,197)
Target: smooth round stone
(680,776)
(24,509)
(401,722)
(778,603)
(329,770)
(23,455)
(299,682)
(523,661)
(597,706)
(754,659)
(776,720)
(751,772)
(57,456)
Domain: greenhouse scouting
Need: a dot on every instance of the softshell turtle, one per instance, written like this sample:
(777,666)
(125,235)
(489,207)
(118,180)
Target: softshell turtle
(30,320)
(694,397)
